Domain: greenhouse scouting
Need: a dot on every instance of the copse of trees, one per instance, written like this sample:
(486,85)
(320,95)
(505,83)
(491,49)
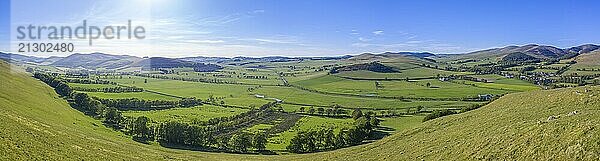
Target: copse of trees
(59,86)
(110,89)
(438,113)
(139,104)
(90,81)
(87,105)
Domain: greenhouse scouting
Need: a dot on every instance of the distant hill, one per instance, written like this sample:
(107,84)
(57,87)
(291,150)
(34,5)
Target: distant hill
(541,52)
(373,66)
(20,58)
(161,62)
(96,60)
(391,55)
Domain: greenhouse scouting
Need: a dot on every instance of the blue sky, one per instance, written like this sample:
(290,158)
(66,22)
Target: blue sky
(315,27)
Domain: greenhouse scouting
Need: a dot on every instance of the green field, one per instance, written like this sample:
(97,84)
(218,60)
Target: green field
(417,73)
(414,89)
(187,115)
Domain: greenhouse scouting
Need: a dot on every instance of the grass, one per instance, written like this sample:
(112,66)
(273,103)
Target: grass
(401,123)
(91,86)
(139,95)
(231,94)
(416,73)
(294,95)
(412,89)
(187,115)
(502,84)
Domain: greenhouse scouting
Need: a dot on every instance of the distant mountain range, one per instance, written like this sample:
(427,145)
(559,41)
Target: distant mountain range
(536,51)
(108,61)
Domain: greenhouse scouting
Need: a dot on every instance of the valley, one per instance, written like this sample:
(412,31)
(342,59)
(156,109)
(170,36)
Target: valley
(284,98)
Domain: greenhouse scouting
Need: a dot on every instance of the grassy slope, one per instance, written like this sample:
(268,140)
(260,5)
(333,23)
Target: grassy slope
(43,126)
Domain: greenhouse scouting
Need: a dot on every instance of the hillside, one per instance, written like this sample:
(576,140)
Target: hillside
(96,60)
(592,58)
(533,50)
(536,125)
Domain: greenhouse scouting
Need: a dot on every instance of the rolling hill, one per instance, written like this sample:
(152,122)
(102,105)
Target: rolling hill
(539,125)
(533,50)
(96,60)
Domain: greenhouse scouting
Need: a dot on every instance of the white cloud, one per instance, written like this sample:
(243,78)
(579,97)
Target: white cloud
(378,32)
(363,39)
(206,41)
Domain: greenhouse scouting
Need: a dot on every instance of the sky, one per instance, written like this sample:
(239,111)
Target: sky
(228,28)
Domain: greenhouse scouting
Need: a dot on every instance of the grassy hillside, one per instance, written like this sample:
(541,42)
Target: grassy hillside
(38,125)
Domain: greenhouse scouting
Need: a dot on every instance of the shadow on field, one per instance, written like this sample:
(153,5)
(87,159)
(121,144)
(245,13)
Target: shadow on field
(379,134)
(214,150)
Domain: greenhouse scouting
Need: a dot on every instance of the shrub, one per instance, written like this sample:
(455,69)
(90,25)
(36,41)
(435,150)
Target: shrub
(438,113)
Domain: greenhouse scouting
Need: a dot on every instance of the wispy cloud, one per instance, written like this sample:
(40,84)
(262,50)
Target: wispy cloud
(378,32)
(363,39)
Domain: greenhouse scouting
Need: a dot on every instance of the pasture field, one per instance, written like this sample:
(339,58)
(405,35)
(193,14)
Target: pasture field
(91,86)
(231,94)
(401,123)
(139,95)
(187,115)
(416,73)
(409,89)
(296,96)
(505,84)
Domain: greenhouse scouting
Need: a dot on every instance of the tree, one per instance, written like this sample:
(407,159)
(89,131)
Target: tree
(302,109)
(357,113)
(329,111)
(259,141)
(428,84)
(113,117)
(145,80)
(141,130)
(374,122)
(239,142)
(419,108)
(311,110)
(320,110)
(438,113)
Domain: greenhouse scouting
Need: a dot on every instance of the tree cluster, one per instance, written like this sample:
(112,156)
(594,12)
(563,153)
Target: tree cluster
(110,89)
(139,104)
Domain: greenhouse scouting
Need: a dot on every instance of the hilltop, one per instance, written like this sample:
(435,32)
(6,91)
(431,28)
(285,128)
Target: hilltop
(542,52)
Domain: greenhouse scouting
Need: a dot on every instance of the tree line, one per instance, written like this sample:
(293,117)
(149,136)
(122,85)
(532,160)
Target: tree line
(118,89)
(139,104)
(89,81)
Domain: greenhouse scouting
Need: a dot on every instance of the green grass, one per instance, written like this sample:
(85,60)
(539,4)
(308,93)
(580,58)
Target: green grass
(139,95)
(187,115)
(91,86)
(293,95)
(410,73)
(412,89)
(507,84)
(231,94)
(402,122)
